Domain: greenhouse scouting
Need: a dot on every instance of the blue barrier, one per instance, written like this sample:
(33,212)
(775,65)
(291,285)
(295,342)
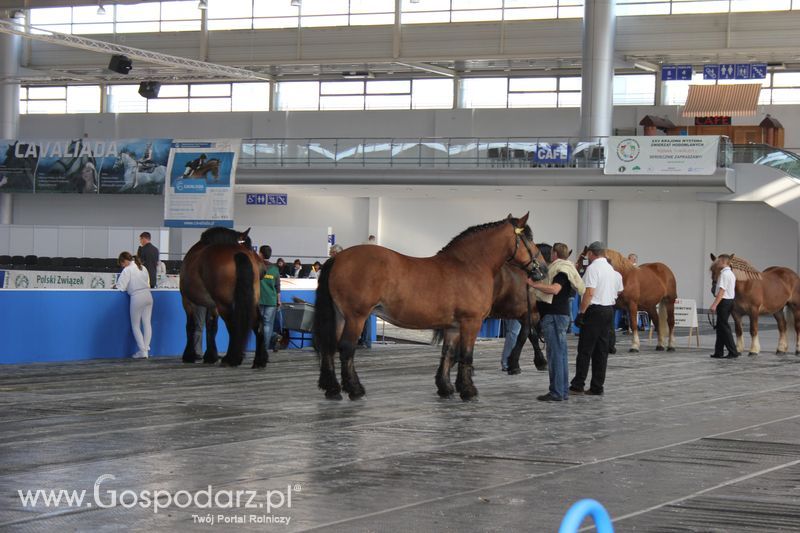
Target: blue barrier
(580,510)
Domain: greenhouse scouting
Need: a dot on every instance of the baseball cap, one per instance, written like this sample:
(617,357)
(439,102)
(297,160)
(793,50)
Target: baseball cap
(597,246)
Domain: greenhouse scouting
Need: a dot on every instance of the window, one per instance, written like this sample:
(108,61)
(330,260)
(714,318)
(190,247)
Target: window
(635,89)
(432,94)
(59,99)
(194,98)
(366,94)
(485,92)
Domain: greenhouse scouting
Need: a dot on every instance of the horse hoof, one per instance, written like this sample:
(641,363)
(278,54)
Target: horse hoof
(752,354)
(780,353)
(670,348)
(333,396)
(188,361)
(633,350)
(469,393)
(259,366)
(797,352)
(355,396)
(444,393)
(541,368)
(210,361)
(659,348)
(514,371)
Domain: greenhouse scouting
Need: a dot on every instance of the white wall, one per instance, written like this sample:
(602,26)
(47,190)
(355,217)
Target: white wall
(758,233)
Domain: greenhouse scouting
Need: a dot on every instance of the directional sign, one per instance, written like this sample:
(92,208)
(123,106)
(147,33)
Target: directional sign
(256,199)
(669,73)
(277,199)
(710,72)
(758,71)
(684,72)
(727,71)
(743,71)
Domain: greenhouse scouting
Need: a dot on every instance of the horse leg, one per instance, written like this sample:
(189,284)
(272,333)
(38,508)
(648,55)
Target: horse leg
(212,324)
(189,354)
(783,345)
(660,325)
(670,306)
(737,325)
(633,308)
(443,385)
(513,357)
(261,357)
(327,369)
(539,359)
(795,309)
(755,346)
(464,385)
(347,349)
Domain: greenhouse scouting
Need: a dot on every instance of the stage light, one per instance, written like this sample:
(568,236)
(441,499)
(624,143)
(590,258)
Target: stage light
(120,64)
(101,11)
(296,3)
(202,4)
(149,89)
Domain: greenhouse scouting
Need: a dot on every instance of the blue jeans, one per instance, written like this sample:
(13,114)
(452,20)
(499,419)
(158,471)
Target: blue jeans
(511,327)
(554,328)
(268,319)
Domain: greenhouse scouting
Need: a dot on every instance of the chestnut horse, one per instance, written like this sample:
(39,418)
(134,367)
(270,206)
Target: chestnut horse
(212,165)
(222,273)
(451,290)
(650,287)
(762,293)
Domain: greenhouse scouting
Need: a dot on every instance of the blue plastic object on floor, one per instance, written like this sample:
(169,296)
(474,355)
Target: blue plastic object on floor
(580,510)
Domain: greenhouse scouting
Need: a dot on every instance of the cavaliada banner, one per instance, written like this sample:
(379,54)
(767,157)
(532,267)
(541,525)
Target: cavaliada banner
(662,155)
(201,178)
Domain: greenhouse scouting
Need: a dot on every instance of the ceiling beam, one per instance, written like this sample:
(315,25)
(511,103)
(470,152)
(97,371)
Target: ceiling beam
(429,68)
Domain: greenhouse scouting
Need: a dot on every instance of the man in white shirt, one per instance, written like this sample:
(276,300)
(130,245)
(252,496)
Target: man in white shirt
(595,318)
(723,305)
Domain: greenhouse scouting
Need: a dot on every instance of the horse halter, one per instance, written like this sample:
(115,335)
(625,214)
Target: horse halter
(531,265)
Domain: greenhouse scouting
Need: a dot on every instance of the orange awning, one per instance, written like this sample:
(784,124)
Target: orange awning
(722,100)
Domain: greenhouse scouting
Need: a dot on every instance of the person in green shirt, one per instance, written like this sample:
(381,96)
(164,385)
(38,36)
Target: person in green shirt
(270,298)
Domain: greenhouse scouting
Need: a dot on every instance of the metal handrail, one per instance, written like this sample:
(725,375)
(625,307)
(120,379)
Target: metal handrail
(764,154)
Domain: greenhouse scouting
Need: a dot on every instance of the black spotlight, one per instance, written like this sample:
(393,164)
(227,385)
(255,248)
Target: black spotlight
(120,64)
(149,89)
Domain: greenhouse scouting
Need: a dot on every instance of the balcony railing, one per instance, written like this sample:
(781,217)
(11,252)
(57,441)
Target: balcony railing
(763,154)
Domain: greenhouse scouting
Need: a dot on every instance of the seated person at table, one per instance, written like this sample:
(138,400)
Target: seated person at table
(314,272)
(296,268)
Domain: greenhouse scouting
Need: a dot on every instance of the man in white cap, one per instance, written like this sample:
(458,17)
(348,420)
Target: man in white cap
(595,318)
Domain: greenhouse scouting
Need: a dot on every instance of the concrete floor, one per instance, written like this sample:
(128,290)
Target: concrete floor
(680,442)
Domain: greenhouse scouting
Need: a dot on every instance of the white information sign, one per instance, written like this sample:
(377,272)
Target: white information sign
(685,313)
(662,155)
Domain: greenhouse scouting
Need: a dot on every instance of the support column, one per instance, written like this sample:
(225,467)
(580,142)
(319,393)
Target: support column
(10,50)
(597,98)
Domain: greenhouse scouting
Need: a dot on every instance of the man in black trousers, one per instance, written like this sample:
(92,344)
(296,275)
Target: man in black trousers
(723,305)
(148,255)
(595,318)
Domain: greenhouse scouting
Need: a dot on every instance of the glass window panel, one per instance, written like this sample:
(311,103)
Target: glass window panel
(46,93)
(181,25)
(371,20)
(426,18)
(485,92)
(570,84)
(186,10)
(532,100)
(476,4)
(23,93)
(56,27)
(760,5)
(90,29)
(329,103)
(168,105)
(299,95)
(395,101)
(83,99)
(712,6)
(280,22)
(786,79)
(126,99)
(571,12)
(229,24)
(172,91)
(389,87)
(764,82)
(661,8)
(426,5)
(137,27)
(569,99)
(765,97)
(324,7)
(209,104)
(341,87)
(211,89)
(50,107)
(531,3)
(54,15)
(23,108)
(229,9)
(371,6)
(139,12)
(88,14)
(472,16)
(785,96)
(635,89)
(324,21)
(250,97)
(531,84)
(432,94)
(275,8)
(531,14)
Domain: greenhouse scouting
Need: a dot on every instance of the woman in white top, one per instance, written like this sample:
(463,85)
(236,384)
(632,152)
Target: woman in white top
(135,280)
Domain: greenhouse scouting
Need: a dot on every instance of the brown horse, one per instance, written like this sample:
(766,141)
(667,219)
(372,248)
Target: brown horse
(762,293)
(451,290)
(650,287)
(212,165)
(222,273)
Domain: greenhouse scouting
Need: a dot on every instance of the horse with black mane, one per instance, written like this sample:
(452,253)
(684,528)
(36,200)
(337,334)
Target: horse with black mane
(18,172)
(222,273)
(452,290)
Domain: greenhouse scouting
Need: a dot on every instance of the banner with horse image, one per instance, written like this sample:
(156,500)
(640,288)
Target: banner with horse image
(138,166)
(201,179)
(70,165)
(662,155)
(17,166)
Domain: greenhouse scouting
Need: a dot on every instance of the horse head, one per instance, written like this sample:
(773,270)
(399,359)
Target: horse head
(528,256)
(244,239)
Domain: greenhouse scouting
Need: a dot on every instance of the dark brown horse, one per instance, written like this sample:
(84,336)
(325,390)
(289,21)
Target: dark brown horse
(452,290)
(212,165)
(762,293)
(222,273)
(650,287)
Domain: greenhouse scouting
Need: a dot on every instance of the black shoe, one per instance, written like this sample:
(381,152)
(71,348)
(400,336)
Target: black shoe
(590,392)
(733,355)
(575,390)
(548,398)
(612,350)
(717,356)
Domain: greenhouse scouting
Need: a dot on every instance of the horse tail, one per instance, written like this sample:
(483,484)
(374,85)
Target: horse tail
(438,337)
(324,337)
(243,300)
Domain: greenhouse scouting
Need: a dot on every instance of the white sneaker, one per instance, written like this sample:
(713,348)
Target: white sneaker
(139,355)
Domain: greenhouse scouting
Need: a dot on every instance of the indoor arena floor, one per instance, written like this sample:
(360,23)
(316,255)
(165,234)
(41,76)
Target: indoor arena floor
(679,442)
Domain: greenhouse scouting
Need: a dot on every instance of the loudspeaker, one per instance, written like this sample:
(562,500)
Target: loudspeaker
(149,89)
(120,64)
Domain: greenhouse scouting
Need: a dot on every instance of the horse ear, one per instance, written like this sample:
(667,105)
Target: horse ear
(245,232)
(713,257)
(523,220)
(509,217)
(732,254)
(570,252)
